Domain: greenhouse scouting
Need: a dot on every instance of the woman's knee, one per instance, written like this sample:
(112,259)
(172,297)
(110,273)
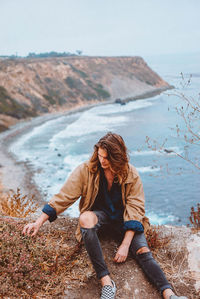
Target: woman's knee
(143,249)
(88,219)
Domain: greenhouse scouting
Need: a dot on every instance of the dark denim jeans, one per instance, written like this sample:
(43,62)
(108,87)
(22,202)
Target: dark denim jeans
(145,260)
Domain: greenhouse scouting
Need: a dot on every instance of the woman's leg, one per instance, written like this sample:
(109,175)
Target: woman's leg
(90,223)
(140,251)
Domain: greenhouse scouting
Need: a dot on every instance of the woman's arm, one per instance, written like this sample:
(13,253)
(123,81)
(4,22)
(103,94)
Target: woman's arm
(123,249)
(69,193)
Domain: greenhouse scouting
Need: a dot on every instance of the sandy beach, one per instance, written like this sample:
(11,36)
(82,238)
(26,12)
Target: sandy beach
(15,174)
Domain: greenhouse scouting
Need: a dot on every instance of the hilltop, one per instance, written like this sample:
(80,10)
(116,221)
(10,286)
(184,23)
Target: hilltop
(54,265)
(34,86)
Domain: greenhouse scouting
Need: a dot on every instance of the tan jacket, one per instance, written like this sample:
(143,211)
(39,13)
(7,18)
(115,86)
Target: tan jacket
(84,185)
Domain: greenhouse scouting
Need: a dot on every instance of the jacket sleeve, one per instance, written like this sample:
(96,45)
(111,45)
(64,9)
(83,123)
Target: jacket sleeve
(71,190)
(135,200)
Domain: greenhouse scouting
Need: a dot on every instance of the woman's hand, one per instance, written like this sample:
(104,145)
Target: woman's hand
(31,229)
(123,249)
(122,253)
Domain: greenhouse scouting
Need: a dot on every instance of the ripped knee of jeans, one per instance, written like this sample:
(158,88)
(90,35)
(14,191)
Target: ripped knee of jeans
(142,250)
(144,257)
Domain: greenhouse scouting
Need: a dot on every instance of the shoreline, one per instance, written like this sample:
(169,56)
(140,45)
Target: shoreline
(17,174)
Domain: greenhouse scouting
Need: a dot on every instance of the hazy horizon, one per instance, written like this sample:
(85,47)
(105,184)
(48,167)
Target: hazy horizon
(100,28)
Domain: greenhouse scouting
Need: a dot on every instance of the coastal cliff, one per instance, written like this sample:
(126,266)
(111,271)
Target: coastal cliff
(34,86)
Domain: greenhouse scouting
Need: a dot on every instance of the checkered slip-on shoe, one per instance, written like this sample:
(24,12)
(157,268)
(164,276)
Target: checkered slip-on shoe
(178,297)
(108,292)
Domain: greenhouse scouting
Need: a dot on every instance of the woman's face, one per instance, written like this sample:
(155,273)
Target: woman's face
(103,158)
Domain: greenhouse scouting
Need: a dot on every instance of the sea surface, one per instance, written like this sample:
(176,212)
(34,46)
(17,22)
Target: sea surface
(171,184)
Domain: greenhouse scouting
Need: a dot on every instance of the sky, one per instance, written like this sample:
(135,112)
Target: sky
(100,27)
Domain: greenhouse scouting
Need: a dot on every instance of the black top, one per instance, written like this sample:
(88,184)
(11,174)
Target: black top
(109,201)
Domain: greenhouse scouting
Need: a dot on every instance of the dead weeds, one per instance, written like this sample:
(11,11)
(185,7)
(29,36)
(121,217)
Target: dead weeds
(15,204)
(38,266)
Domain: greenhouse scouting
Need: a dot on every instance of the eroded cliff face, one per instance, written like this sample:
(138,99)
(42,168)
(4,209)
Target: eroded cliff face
(31,87)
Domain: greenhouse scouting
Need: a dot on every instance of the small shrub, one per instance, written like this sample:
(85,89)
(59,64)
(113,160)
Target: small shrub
(81,73)
(155,240)
(102,93)
(71,82)
(195,217)
(50,99)
(16,205)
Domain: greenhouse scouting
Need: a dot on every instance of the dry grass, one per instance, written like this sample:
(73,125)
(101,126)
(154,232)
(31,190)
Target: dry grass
(155,239)
(16,205)
(38,267)
(45,266)
(173,260)
(195,217)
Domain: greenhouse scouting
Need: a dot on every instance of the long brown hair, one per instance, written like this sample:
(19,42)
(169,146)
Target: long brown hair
(117,154)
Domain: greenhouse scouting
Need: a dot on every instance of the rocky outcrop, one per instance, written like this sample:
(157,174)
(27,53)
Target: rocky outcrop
(31,87)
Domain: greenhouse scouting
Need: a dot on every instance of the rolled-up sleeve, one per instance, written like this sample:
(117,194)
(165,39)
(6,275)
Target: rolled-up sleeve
(133,225)
(51,212)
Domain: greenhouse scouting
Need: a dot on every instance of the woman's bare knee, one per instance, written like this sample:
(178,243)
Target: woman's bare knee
(88,219)
(142,250)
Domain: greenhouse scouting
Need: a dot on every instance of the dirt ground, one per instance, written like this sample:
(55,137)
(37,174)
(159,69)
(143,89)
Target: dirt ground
(73,272)
(171,253)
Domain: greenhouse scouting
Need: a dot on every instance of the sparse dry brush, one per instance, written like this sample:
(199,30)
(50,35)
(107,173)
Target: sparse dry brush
(17,205)
(195,217)
(37,266)
(155,239)
(172,258)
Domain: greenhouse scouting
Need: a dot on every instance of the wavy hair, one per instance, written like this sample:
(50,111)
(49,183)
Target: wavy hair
(117,154)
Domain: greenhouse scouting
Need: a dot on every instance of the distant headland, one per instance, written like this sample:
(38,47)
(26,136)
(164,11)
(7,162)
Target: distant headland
(40,84)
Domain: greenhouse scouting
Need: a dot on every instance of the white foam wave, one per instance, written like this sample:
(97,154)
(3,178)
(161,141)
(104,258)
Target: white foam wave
(148,169)
(17,146)
(73,161)
(88,123)
(159,219)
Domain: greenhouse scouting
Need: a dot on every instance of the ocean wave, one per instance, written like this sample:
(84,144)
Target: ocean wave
(73,161)
(145,169)
(19,145)
(88,123)
(159,219)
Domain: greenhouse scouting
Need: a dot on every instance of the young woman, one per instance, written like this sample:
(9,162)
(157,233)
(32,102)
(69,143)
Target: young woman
(111,195)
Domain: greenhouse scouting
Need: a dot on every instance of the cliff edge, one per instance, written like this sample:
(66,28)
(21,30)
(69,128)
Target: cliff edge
(33,86)
(54,265)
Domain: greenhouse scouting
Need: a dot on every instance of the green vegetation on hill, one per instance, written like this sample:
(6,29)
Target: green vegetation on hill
(50,54)
(43,55)
(81,73)
(9,106)
(50,99)
(90,90)
(72,82)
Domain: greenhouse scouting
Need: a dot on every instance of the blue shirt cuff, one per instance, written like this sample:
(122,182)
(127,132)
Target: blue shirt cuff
(133,225)
(51,212)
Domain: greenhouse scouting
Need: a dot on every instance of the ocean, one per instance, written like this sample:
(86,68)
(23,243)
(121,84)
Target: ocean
(171,184)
